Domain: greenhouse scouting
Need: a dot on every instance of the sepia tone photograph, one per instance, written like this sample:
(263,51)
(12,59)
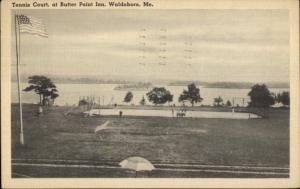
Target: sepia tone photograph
(152,93)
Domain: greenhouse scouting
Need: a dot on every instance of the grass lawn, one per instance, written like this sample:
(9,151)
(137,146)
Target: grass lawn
(253,142)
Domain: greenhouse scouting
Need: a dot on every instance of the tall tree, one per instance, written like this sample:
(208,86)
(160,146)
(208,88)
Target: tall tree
(218,101)
(283,98)
(42,86)
(128,97)
(192,95)
(159,95)
(228,103)
(260,96)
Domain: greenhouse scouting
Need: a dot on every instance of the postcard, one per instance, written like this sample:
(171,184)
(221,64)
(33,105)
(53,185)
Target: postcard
(139,94)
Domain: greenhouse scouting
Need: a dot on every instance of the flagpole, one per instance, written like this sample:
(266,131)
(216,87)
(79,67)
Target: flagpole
(17,34)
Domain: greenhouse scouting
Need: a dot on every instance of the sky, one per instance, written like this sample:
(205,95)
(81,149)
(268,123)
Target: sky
(206,45)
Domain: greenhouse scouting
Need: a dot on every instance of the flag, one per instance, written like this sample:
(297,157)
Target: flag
(31,25)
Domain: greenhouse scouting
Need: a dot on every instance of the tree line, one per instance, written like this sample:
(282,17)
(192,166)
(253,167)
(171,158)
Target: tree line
(160,95)
(260,96)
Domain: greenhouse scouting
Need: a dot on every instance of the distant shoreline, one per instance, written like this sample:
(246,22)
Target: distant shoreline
(233,85)
(131,85)
(212,86)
